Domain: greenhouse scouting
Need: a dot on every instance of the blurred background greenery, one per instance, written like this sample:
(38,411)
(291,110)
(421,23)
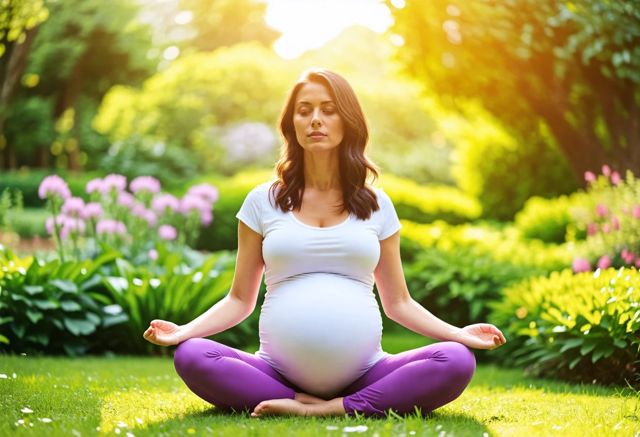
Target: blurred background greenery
(499,128)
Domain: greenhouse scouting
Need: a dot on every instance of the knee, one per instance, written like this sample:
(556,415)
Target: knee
(188,355)
(461,359)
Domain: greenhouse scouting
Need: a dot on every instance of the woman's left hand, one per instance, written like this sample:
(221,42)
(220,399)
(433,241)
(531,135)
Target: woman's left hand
(481,336)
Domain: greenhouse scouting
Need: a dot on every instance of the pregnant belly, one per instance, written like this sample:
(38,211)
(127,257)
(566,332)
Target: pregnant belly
(321,331)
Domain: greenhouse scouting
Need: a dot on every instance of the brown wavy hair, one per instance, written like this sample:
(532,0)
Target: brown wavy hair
(355,168)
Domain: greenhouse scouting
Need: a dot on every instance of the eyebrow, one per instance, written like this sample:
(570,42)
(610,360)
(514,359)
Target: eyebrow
(304,102)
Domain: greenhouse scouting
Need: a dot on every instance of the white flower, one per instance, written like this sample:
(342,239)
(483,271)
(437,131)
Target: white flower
(359,428)
(3,376)
(26,410)
(45,420)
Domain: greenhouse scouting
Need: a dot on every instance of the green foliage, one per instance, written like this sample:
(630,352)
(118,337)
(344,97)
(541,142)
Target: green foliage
(220,23)
(583,55)
(501,171)
(550,220)
(16,17)
(503,244)
(170,290)
(28,222)
(28,181)
(424,204)
(458,285)
(186,104)
(52,306)
(612,211)
(579,327)
(223,232)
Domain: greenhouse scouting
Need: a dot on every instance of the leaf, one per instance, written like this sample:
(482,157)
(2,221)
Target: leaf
(116,284)
(79,327)
(574,362)
(587,347)
(620,343)
(69,305)
(109,321)
(34,316)
(64,285)
(4,339)
(570,344)
(33,289)
(46,304)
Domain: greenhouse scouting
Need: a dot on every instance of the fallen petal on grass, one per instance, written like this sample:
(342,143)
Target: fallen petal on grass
(26,410)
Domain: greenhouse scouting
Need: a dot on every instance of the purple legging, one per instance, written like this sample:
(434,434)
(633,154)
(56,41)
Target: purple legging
(427,377)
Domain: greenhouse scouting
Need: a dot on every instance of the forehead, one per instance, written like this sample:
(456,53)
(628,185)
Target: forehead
(313,92)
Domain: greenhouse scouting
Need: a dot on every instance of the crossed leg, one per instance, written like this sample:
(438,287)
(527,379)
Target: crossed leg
(427,377)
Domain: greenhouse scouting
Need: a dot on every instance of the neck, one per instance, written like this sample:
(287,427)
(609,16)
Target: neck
(322,171)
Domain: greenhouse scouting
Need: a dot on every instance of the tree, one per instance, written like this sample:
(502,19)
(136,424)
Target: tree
(84,48)
(18,28)
(572,66)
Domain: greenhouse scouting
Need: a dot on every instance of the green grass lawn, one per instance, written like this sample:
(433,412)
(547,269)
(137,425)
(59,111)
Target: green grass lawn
(47,396)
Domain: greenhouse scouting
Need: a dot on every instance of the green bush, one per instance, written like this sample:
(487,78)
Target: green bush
(459,284)
(549,220)
(500,243)
(29,222)
(222,234)
(425,204)
(28,181)
(52,306)
(170,290)
(577,327)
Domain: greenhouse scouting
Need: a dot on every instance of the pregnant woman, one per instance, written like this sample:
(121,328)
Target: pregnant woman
(322,235)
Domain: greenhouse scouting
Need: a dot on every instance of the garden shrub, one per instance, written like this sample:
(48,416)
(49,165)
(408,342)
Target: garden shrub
(459,284)
(222,234)
(52,306)
(425,204)
(170,290)
(581,327)
(500,243)
(28,181)
(550,220)
(610,216)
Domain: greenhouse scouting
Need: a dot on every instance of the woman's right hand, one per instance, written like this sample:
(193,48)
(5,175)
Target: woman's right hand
(163,333)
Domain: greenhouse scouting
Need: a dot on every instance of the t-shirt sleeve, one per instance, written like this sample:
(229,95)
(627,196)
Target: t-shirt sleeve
(390,224)
(251,210)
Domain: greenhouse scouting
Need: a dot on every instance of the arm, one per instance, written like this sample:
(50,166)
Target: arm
(236,306)
(400,307)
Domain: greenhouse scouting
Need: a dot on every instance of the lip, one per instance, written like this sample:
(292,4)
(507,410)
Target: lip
(316,134)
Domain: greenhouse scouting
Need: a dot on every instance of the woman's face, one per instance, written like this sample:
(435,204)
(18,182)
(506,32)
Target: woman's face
(315,118)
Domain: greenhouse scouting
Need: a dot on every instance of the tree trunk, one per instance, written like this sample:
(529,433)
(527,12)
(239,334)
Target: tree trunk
(9,83)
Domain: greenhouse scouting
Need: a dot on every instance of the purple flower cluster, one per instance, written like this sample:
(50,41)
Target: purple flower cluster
(615,223)
(116,212)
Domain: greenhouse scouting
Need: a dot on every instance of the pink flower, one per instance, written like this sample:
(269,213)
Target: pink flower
(73,206)
(94,185)
(606,170)
(192,202)
(589,176)
(114,181)
(636,211)
(602,210)
(165,201)
(153,254)
(606,228)
(145,183)
(110,227)
(72,226)
(206,191)
(615,178)
(581,265)
(592,229)
(167,232)
(91,210)
(53,185)
(615,223)
(627,256)
(146,214)
(49,223)
(126,199)
(604,262)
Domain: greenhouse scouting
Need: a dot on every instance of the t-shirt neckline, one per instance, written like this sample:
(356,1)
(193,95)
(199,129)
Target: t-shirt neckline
(326,228)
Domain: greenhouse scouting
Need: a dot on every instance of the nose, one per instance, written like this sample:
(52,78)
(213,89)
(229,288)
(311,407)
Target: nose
(315,119)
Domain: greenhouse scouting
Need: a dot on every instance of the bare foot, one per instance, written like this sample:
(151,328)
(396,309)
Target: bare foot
(308,399)
(280,406)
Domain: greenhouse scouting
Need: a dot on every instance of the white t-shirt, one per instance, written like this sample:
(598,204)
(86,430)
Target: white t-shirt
(320,325)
